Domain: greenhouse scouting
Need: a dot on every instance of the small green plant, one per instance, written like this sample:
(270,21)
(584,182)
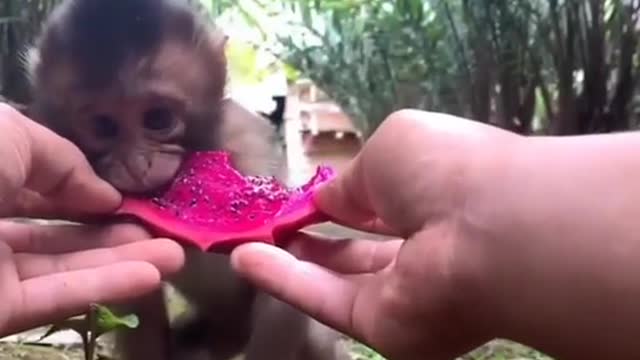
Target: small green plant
(99,320)
(363,352)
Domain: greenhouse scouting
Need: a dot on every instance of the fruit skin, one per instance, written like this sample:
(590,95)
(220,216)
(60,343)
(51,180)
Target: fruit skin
(213,207)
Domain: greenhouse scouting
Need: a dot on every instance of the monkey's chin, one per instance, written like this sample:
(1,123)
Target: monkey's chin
(140,175)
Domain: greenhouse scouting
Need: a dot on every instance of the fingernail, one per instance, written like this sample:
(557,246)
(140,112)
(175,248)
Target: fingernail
(254,255)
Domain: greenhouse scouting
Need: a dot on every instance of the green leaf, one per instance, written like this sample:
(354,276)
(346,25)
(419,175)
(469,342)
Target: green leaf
(107,321)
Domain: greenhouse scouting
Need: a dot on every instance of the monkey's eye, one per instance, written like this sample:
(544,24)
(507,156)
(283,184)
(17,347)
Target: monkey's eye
(105,126)
(158,119)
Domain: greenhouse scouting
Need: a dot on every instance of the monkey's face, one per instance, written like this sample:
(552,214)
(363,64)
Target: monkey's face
(136,128)
(134,84)
(136,143)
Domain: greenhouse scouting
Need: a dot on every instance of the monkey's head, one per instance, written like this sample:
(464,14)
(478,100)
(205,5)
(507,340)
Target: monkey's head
(133,83)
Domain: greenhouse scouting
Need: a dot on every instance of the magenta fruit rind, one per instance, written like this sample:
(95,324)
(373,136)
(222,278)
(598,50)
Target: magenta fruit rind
(211,206)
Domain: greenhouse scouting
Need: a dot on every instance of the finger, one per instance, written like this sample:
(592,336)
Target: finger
(50,298)
(371,225)
(166,255)
(343,198)
(346,201)
(58,239)
(72,183)
(316,291)
(345,256)
(29,203)
(54,167)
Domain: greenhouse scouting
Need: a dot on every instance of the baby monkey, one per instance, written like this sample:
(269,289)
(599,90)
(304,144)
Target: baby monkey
(136,84)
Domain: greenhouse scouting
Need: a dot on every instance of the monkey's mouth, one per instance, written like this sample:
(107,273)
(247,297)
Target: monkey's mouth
(129,185)
(142,178)
(142,189)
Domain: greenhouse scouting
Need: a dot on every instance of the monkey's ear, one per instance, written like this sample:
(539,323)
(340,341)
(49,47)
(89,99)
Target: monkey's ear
(218,38)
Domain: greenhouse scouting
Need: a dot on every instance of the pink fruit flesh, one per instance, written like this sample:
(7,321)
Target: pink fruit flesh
(212,206)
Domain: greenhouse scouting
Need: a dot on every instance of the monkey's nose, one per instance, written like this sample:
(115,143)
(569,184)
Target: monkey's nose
(140,175)
(156,170)
(159,175)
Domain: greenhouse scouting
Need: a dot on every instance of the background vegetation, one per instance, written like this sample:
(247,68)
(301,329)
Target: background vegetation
(531,66)
(550,66)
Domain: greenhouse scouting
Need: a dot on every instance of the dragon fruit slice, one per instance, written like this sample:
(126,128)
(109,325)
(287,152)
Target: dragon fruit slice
(214,207)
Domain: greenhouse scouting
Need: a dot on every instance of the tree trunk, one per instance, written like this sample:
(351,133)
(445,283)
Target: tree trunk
(626,78)
(482,82)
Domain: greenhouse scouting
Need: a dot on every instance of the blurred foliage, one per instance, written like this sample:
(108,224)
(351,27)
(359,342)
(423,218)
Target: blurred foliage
(374,57)
(243,63)
(20,20)
(556,66)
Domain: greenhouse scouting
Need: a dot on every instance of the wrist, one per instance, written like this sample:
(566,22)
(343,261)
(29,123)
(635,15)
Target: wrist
(560,243)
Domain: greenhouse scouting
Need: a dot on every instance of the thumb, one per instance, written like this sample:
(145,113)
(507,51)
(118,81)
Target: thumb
(53,168)
(346,200)
(62,174)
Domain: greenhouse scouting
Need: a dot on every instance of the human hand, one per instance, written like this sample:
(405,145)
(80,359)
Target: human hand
(530,239)
(49,272)
(409,299)
(44,175)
